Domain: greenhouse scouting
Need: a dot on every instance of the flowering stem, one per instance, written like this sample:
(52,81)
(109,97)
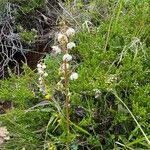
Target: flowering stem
(64,40)
(67,100)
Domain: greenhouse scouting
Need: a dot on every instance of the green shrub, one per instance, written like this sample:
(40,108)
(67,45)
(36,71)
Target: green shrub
(112,90)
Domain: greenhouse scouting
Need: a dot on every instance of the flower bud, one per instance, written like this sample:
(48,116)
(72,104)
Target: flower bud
(74,76)
(56,50)
(70,32)
(40,79)
(71,45)
(67,57)
(43,66)
(62,39)
(40,71)
(39,65)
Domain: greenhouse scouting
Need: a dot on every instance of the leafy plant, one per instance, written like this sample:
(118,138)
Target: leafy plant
(109,102)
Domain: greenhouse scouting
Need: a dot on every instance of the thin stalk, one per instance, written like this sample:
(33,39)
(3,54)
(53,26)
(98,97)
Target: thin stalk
(108,33)
(66,85)
(146,138)
(111,22)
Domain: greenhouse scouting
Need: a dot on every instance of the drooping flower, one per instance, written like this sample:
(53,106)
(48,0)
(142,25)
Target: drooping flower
(56,50)
(62,39)
(67,57)
(71,45)
(74,76)
(70,32)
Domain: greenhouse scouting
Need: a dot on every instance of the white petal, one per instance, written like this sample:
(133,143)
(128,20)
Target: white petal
(40,71)
(43,66)
(71,45)
(39,65)
(70,32)
(40,79)
(56,50)
(67,57)
(74,76)
(7,138)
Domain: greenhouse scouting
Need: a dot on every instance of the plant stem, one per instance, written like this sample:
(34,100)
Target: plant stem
(67,100)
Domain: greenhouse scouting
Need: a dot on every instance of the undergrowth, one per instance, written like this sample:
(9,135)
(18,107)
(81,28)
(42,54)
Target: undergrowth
(109,103)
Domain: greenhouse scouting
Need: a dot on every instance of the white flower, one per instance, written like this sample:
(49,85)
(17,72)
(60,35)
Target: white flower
(71,45)
(7,138)
(70,32)
(40,78)
(45,74)
(43,66)
(69,94)
(62,38)
(4,135)
(67,57)
(74,76)
(56,50)
(40,71)
(98,93)
(3,132)
(39,66)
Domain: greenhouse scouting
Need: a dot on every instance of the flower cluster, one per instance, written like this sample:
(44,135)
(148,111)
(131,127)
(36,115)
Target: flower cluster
(63,39)
(42,74)
(66,44)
